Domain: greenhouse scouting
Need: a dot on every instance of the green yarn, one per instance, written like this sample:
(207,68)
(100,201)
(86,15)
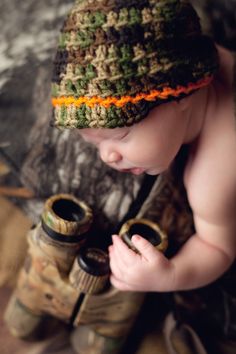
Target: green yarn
(126,53)
(134,16)
(84,39)
(129,69)
(81,86)
(63,40)
(81,116)
(63,116)
(90,72)
(106,88)
(121,87)
(97,20)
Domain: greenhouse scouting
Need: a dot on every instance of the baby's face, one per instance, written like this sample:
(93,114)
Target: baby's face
(146,147)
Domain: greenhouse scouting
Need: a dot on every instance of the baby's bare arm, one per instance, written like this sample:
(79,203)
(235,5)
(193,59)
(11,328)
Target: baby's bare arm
(200,262)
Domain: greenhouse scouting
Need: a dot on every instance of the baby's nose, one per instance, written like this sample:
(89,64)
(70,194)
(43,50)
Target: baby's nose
(110,157)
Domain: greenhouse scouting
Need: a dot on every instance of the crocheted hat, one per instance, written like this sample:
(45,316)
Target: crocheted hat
(117,59)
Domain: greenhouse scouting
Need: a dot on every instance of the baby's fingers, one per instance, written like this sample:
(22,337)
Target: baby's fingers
(125,254)
(146,249)
(117,268)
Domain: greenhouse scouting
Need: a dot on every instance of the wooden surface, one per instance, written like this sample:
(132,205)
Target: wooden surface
(13,228)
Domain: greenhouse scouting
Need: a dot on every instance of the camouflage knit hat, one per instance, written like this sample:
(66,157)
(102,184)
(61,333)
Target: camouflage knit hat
(117,59)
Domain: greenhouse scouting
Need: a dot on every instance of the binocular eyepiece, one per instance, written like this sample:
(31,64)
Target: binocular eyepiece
(65,218)
(145,228)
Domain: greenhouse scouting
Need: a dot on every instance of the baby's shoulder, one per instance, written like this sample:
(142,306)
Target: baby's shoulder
(210,174)
(226,67)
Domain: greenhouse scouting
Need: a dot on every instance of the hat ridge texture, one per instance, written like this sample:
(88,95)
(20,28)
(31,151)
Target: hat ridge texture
(118,59)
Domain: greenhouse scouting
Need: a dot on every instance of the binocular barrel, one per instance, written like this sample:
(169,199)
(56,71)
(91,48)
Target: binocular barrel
(62,232)
(43,286)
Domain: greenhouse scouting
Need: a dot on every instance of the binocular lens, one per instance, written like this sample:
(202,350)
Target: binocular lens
(68,210)
(146,232)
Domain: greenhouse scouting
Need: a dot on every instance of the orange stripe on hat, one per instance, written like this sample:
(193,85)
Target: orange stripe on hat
(123,100)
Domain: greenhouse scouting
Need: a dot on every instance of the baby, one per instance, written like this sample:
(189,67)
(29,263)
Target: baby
(146,71)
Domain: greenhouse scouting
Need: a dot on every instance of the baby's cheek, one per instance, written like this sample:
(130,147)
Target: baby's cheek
(144,152)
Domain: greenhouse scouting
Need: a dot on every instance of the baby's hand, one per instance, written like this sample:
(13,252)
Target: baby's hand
(148,271)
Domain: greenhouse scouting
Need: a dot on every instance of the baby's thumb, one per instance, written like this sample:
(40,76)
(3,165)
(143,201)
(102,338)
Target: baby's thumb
(144,247)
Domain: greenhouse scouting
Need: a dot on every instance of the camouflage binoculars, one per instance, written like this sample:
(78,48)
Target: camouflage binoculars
(65,278)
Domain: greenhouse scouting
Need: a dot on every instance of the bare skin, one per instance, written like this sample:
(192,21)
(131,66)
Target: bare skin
(205,121)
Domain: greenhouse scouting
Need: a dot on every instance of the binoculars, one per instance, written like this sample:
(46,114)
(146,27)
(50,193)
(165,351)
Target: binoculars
(65,278)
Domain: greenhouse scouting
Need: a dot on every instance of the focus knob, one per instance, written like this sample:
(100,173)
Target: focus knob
(90,271)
